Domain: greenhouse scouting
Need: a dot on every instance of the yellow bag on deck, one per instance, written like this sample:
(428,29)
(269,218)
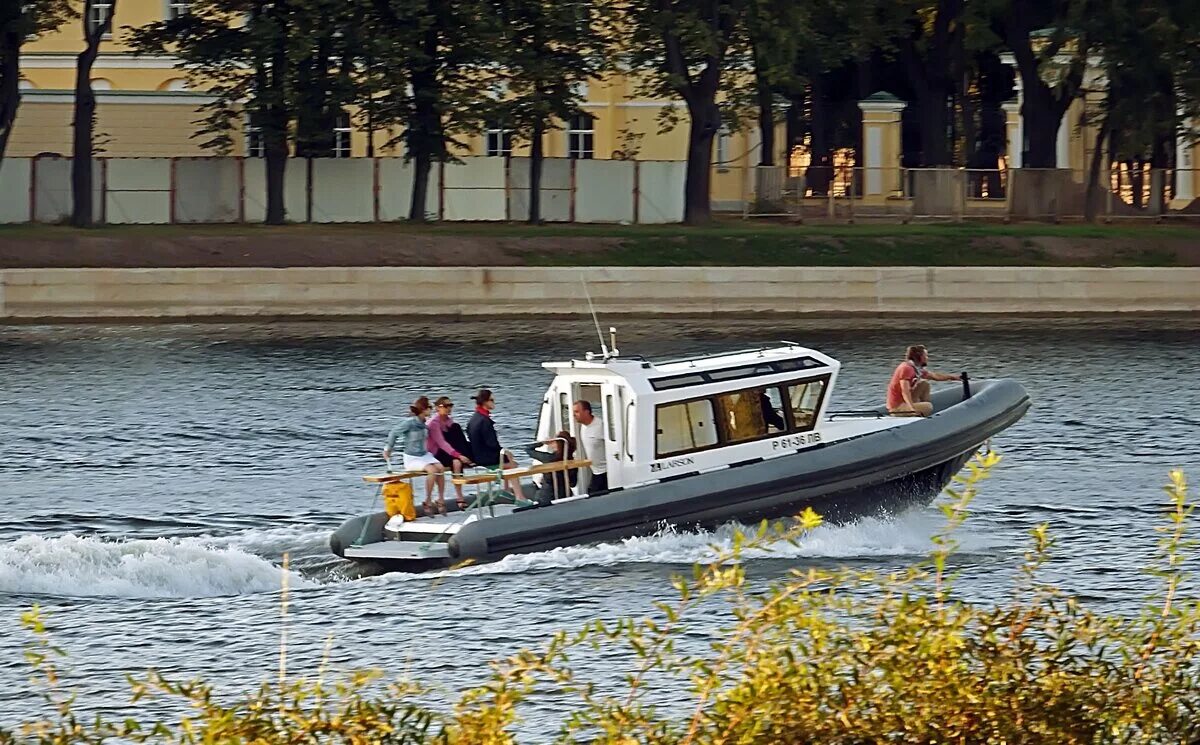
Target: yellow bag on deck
(398,500)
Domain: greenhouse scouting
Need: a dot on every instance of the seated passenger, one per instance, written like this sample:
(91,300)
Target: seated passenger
(556,484)
(908,390)
(771,415)
(417,456)
(485,444)
(452,455)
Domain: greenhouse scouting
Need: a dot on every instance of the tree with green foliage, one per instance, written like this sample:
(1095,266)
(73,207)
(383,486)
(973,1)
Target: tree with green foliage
(19,21)
(240,53)
(1051,62)
(97,25)
(682,48)
(547,51)
(431,61)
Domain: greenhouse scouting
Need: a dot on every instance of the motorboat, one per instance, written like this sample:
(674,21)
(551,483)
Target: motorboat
(696,443)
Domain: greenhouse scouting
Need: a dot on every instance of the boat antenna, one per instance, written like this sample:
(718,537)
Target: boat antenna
(595,319)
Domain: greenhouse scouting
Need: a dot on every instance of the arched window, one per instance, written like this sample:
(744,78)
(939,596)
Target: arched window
(101,84)
(25,85)
(175,84)
(581,136)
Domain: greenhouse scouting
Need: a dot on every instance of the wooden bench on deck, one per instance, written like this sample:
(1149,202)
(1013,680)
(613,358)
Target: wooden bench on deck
(519,472)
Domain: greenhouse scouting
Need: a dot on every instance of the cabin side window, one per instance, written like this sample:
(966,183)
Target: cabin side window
(685,426)
(803,401)
(741,415)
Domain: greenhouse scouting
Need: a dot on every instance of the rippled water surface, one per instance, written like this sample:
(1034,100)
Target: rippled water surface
(153,478)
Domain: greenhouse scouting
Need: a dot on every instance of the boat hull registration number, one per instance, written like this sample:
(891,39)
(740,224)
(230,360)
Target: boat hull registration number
(791,442)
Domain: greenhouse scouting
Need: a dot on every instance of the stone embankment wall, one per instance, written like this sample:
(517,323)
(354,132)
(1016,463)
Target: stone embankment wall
(31,295)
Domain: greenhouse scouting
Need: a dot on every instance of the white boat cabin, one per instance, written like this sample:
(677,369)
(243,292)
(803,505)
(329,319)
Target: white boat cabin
(670,419)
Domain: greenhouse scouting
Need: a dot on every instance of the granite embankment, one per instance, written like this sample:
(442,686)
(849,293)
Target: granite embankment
(177,294)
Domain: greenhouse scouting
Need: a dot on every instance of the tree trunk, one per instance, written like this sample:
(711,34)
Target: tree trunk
(819,174)
(10,85)
(1042,117)
(422,167)
(697,190)
(1091,197)
(932,115)
(275,129)
(766,123)
(536,156)
(84,122)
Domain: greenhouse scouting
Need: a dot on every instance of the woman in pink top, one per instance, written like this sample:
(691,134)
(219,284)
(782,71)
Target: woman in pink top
(440,425)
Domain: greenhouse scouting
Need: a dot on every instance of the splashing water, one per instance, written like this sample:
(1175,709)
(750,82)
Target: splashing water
(87,566)
(908,535)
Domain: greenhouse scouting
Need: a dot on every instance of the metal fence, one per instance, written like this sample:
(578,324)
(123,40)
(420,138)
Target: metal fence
(852,193)
(331,190)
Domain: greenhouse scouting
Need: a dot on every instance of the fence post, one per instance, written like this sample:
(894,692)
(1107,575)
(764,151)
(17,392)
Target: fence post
(374,189)
(850,198)
(308,190)
(830,209)
(172,191)
(103,191)
(241,172)
(508,187)
(441,191)
(33,164)
(571,214)
(637,191)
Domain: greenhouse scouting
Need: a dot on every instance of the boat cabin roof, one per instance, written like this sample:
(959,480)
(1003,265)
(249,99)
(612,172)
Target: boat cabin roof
(735,368)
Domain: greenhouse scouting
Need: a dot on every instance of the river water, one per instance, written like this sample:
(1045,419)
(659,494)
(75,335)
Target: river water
(152,479)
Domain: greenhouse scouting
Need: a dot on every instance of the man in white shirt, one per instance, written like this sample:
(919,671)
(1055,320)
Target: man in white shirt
(591,439)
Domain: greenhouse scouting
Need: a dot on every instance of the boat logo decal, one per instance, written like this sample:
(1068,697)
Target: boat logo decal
(673,463)
(796,441)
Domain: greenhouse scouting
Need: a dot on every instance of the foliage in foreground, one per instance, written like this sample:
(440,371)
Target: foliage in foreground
(843,656)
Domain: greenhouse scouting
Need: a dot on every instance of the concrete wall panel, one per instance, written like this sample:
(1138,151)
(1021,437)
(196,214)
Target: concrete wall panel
(295,198)
(604,191)
(343,190)
(206,190)
(555,191)
(15,177)
(475,189)
(660,191)
(138,190)
(395,190)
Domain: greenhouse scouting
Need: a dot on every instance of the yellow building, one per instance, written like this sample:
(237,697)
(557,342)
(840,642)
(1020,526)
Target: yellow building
(145,108)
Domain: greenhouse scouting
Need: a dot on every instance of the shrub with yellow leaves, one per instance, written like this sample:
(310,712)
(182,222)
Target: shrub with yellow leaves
(819,656)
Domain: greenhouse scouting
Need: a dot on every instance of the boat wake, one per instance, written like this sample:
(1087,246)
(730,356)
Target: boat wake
(905,536)
(91,566)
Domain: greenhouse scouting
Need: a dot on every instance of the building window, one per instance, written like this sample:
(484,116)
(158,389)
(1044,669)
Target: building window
(254,139)
(723,138)
(98,14)
(684,427)
(498,141)
(178,8)
(581,137)
(341,136)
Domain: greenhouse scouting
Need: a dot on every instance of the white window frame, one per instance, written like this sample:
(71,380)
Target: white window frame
(256,147)
(581,143)
(342,130)
(497,141)
(177,9)
(724,138)
(99,13)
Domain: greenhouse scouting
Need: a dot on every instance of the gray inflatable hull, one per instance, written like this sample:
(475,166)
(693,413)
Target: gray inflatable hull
(880,473)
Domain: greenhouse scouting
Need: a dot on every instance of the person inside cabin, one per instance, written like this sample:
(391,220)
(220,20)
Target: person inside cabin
(908,390)
(450,445)
(485,444)
(771,415)
(556,484)
(417,444)
(591,441)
